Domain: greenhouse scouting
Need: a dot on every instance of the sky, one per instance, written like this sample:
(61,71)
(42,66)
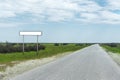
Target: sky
(68,21)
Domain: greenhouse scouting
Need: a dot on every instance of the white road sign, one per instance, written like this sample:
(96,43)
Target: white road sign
(30,33)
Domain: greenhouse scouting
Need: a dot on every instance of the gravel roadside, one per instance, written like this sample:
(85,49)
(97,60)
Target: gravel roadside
(115,57)
(22,67)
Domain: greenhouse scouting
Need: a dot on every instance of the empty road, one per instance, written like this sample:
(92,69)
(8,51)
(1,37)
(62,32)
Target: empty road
(90,63)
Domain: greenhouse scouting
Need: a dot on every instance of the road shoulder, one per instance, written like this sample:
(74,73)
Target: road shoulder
(22,67)
(115,57)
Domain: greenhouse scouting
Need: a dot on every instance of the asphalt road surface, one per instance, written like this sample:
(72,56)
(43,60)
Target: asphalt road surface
(90,63)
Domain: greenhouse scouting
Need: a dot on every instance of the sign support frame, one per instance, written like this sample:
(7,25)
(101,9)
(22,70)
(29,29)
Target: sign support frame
(31,34)
(23,45)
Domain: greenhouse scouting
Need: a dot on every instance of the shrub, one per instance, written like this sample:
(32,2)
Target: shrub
(112,45)
(9,48)
(64,43)
(56,44)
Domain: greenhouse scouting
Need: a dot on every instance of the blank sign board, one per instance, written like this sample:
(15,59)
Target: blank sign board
(30,33)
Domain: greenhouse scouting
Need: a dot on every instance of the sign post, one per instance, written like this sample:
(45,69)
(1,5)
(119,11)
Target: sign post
(37,45)
(23,44)
(31,34)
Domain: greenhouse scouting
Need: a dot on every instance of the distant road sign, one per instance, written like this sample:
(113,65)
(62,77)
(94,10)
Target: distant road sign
(30,33)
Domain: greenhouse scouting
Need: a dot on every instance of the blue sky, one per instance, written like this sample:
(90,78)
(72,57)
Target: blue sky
(73,21)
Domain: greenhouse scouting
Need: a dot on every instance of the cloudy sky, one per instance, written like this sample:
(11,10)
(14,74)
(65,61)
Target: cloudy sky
(61,20)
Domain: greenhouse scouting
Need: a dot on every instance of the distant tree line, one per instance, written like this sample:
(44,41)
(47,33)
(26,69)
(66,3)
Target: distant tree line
(58,44)
(77,44)
(112,44)
(17,47)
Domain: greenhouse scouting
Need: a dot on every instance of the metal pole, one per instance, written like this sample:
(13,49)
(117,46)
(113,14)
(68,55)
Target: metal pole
(37,44)
(23,44)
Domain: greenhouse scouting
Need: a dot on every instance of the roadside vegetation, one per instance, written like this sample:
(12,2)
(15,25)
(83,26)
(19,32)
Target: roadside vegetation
(6,48)
(113,50)
(45,50)
(112,47)
(11,53)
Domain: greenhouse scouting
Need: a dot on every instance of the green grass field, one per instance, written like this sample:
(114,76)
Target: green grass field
(115,49)
(49,51)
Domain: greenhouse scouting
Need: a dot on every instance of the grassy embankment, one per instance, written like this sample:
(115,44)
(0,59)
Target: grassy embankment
(114,48)
(10,59)
(114,51)
(50,50)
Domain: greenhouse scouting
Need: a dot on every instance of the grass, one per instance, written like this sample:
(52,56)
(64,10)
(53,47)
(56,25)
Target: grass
(49,51)
(112,49)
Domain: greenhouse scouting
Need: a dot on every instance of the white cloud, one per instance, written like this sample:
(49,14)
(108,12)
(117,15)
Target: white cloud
(14,24)
(90,6)
(89,16)
(110,15)
(59,15)
(6,14)
(6,25)
(113,4)
(61,10)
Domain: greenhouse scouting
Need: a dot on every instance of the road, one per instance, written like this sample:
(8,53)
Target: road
(90,63)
